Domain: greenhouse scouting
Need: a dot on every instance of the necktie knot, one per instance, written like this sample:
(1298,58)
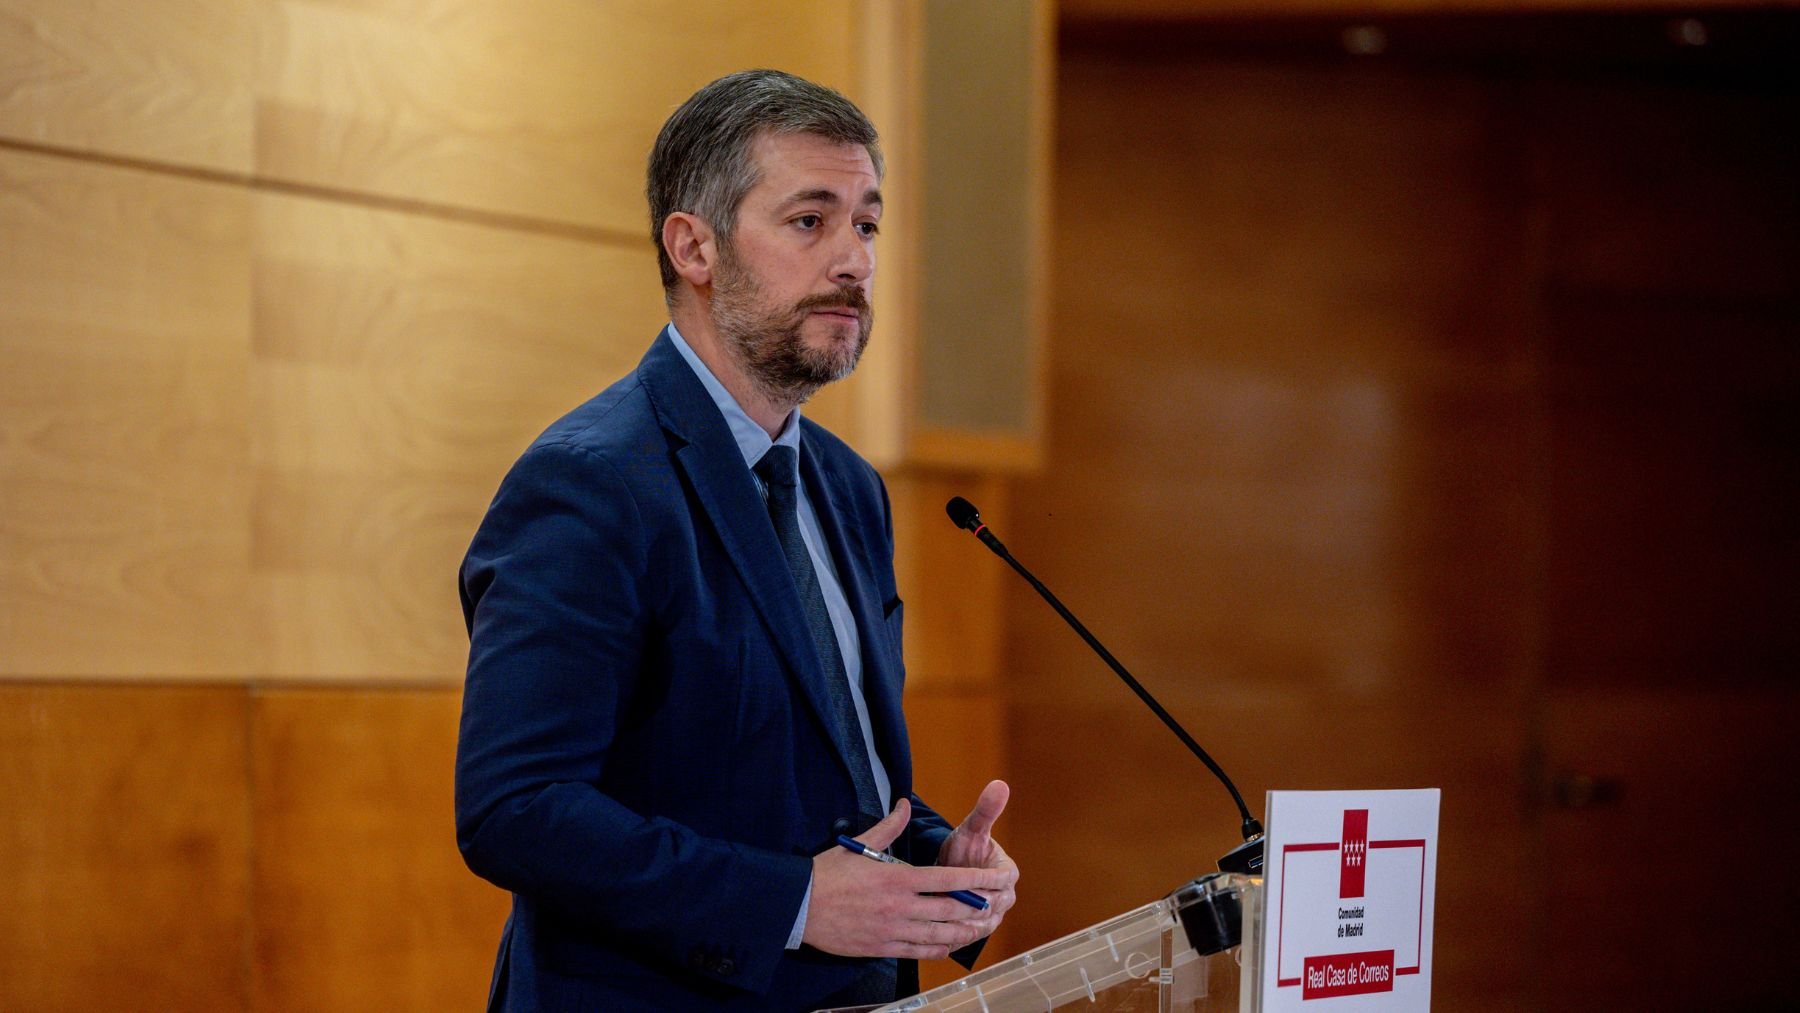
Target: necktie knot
(777,467)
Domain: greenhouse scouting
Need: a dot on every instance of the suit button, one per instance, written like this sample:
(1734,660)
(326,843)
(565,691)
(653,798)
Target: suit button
(726,966)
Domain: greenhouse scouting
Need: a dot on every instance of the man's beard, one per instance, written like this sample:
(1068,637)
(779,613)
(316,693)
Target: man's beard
(767,342)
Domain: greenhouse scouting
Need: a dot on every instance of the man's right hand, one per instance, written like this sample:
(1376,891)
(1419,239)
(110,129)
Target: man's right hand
(861,908)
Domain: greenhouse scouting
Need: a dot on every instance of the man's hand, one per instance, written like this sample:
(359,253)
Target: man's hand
(861,908)
(972,845)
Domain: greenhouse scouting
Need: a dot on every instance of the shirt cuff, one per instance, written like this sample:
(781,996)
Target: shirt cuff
(793,942)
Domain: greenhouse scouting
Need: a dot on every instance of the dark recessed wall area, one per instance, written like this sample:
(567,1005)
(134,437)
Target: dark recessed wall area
(1427,417)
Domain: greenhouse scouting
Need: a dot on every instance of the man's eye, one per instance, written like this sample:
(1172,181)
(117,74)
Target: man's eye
(808,221)
(868,229)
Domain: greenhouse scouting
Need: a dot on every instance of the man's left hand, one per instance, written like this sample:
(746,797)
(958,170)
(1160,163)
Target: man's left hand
(971,845)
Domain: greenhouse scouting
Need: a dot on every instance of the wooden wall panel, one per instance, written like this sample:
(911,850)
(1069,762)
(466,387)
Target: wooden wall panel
(1103,11)
(362,900)
(168,82)
(124,310)
(951,583)
(1692,167)
(1695,582)
(1290,462)
(1438,437)
(1670,308)
(955,708)
(1292,441)
(985,140)
(545,110)
(1689,853)
(1672,298)
(958,746)
(124,848)
(255,392)
(401,364)
(870,409)
(1113,812)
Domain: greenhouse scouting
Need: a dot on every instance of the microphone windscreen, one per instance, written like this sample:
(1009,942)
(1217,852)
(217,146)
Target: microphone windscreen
(963,513)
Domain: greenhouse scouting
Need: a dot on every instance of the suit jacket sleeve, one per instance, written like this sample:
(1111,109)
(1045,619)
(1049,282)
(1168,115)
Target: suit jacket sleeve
(551,591)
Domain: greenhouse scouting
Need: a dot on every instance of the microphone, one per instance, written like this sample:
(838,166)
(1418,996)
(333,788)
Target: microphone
(1245,858)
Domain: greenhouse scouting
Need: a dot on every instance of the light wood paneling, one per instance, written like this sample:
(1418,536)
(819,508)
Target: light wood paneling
(249,425)
(871,408)
(124,848)
(543,109)
(362,901)
(124,305)
(169,81)
(401,364)
(986,144)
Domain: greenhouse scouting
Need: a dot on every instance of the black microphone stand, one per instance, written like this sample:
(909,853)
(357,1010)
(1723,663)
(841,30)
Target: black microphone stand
(1247,857)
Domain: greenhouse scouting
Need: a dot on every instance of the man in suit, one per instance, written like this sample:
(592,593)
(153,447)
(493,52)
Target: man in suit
(684,668)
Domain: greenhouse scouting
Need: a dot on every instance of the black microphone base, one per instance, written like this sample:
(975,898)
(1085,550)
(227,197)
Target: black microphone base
(1211,914)
(1246,858)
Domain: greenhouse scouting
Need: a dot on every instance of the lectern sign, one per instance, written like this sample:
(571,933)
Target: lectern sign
(1349,880)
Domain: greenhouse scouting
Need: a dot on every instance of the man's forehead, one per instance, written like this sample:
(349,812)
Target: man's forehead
(790,165)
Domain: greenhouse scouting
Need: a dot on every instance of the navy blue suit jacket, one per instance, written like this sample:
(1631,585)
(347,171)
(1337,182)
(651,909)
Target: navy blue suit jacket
(645,759)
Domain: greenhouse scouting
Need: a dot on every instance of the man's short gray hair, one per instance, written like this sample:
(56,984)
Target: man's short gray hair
(701,163)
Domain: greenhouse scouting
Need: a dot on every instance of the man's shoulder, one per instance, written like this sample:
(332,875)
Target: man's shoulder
(613,422)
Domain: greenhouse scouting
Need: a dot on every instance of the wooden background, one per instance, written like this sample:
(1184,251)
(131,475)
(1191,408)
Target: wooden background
(285,286)
(1406,425)
(1425,423)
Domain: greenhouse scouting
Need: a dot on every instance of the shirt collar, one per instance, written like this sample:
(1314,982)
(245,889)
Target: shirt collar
(752,441)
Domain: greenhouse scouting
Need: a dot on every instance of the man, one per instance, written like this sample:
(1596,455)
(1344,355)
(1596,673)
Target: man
(684,667)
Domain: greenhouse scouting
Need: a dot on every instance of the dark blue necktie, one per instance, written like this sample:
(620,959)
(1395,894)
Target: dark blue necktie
(777,471)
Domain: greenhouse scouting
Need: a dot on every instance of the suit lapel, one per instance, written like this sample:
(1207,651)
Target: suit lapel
(846,532)
(714,466)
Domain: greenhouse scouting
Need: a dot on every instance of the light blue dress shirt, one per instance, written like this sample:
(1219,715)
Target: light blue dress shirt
(753,442)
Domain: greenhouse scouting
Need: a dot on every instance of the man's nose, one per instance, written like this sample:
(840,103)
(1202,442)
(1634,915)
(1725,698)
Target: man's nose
(854,258)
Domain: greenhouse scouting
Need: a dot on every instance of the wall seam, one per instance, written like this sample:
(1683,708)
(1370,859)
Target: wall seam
(590,234)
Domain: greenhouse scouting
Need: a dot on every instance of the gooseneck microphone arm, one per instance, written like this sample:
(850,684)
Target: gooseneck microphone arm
(1246,857)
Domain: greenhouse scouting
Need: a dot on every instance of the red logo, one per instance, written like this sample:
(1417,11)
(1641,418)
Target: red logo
(1353,853)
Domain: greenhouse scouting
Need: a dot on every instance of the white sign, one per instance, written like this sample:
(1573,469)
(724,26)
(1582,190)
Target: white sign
(1349,881)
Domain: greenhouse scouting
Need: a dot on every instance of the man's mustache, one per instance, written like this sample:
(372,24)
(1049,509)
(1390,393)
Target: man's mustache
(843,299)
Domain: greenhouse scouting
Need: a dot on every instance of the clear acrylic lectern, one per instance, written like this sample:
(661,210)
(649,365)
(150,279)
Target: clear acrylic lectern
(1193,951)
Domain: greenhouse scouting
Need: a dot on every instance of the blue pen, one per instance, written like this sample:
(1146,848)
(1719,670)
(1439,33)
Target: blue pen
(974,900)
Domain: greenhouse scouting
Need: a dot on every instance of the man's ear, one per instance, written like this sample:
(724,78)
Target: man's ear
(692,247)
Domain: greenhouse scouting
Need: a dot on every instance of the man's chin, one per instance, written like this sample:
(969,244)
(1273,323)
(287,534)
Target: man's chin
(834,352)
(828,369)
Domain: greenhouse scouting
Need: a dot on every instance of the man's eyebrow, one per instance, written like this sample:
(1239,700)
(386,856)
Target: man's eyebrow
(821,195)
